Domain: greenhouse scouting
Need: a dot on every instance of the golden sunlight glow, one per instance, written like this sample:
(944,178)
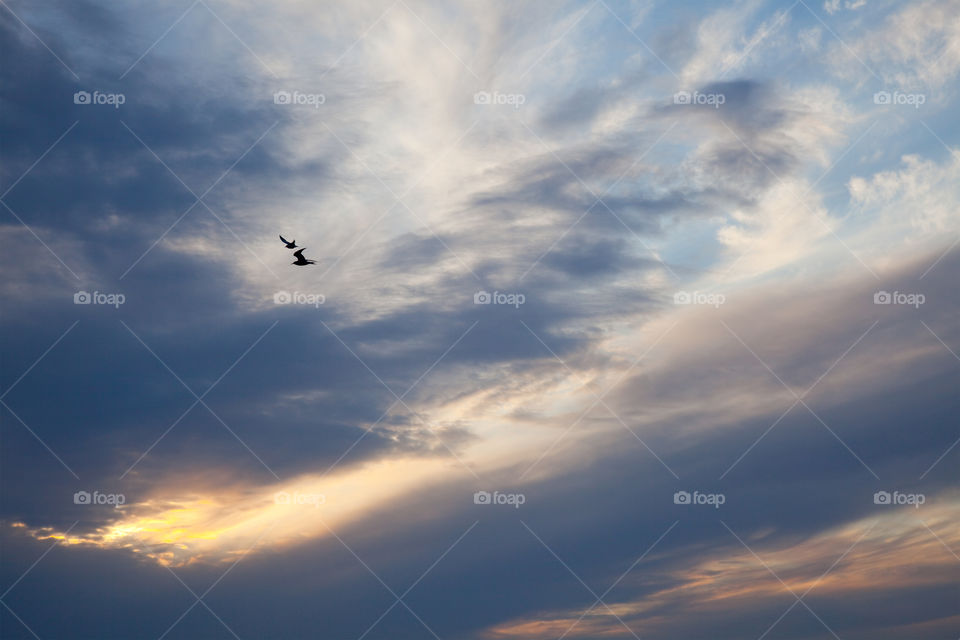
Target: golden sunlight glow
(217,525)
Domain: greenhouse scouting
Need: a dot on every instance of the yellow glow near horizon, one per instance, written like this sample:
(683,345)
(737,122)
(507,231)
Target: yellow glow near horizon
(216,525)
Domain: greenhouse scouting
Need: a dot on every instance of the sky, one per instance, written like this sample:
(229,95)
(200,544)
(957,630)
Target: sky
(628,320)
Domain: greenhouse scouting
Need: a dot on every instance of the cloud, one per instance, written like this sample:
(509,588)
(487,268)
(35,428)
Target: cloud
(914,49)
(922,188)
(832,565)
(723,44)
(396,399)
(833,6)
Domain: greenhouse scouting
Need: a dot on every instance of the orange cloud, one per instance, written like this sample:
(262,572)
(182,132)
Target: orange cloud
(903,548)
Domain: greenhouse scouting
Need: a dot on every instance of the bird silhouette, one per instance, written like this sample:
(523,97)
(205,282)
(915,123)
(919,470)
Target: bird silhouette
(292,244)
(301,261)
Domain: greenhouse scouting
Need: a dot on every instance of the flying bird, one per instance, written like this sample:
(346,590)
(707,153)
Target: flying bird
(291,244)
(301,261)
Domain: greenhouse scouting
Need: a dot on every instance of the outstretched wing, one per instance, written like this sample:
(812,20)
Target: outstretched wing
(299,254)
(284,240)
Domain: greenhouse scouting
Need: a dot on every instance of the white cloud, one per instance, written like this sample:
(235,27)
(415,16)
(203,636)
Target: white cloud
(724,45)
(922,195)
(832,6)
(917,48)
(810,39)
